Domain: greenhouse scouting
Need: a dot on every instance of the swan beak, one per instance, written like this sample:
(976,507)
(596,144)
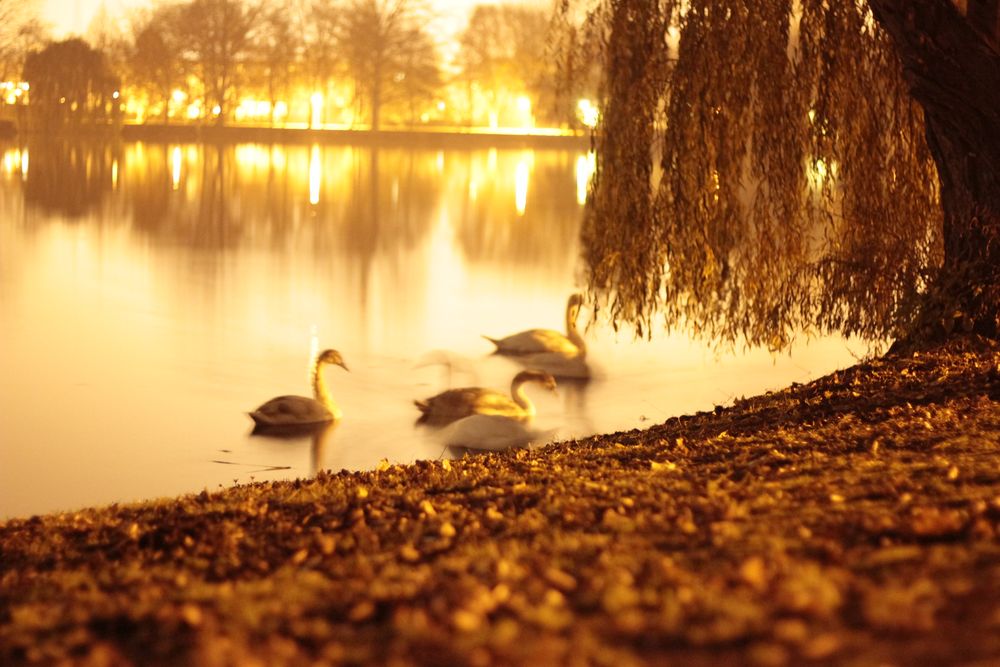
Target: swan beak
(344,366)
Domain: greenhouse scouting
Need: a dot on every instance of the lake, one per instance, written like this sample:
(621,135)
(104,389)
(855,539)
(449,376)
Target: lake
(152,294)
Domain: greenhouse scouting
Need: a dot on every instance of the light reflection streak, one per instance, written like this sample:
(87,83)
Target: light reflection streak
(24,165)
(522,175)
(10,160)
(114,174)
(315,174)
(175,167)
(586,165)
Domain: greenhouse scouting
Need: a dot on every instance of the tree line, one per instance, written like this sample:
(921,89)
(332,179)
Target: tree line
(375,61)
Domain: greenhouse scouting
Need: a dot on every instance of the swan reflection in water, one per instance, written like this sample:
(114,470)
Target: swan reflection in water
(491,433)
(454,404)
(319,436)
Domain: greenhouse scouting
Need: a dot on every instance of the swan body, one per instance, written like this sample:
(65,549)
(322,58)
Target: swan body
(491,433)
(558,364)
(538,341)
(300,411)
(454,404)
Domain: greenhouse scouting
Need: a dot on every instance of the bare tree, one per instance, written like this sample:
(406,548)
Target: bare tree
(21,33)
(217,37)
(154,56)
(381,43)
(503,52)
(278,43)
(824,164)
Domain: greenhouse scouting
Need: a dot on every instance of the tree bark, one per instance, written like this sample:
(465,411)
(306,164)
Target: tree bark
(952,65)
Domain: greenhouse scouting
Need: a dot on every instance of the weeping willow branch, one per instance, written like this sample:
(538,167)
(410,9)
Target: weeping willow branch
(762,170)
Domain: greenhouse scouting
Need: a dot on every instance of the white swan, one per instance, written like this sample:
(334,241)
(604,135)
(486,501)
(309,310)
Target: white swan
(300,411)
(454,404)
(537,341)
(491,432)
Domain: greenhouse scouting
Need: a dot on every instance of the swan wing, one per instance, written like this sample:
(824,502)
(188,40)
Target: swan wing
(457,403)
(534,341)
(291,410)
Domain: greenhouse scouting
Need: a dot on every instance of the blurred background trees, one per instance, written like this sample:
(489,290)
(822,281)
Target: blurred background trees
(346,63)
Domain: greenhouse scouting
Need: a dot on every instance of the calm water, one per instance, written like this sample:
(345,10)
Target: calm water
(151,294)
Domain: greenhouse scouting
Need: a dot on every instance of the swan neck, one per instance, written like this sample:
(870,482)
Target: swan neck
(320,391)
(571,331)
(517,393)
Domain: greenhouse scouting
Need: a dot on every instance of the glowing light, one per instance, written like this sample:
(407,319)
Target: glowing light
(586,165)
(494,120)
(280,109)
(819,171)
(24,165)
(175,167)
(316,109)
(521,177)
(216,110)
(178,95)
(440,105)
(440,161)
(193,111)
(315,174)
(114,174)
(588,114)
(10,158)
(115,95)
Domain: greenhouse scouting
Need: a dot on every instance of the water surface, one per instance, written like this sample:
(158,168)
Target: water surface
(152,294)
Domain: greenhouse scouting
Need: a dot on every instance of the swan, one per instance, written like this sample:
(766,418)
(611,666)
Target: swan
(490,432)
(454,404)
(299,411)
(537,341)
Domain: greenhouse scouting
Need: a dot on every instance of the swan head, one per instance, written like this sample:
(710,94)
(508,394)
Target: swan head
(332,357)
(573,305)
(534,375)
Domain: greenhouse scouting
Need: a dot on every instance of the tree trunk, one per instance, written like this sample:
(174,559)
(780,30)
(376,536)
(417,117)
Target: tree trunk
(952,64)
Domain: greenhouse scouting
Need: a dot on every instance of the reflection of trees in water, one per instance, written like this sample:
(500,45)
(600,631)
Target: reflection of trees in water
(548,230)
(68,178)
(372,202)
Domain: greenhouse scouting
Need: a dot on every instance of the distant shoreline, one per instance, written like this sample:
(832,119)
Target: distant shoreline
(450,138)
(393,137)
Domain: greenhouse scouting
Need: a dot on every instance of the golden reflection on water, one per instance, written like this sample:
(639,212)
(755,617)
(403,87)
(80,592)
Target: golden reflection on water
(187,283)
(315,174)
(175,163)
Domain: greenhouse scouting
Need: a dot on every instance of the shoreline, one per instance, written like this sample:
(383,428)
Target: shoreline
(853,520)
(444,138)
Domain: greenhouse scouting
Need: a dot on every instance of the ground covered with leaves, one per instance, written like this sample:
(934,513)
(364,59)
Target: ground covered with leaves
(851,521)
